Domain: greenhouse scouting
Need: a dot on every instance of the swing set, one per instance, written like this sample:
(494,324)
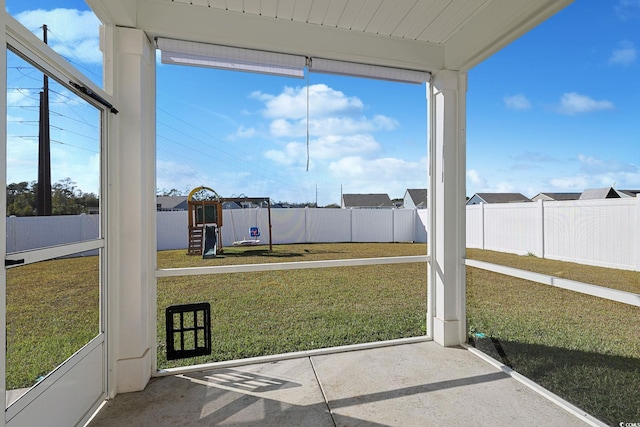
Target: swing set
(254,231)
(205,222)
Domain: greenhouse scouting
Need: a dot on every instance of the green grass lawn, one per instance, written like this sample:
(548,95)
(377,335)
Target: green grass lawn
(255,314)
(52,311)
(585,349)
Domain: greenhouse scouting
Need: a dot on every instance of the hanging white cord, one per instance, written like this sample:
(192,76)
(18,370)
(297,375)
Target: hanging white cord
(307,122)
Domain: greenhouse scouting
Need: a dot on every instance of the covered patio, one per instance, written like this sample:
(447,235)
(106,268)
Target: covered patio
(429,380)
(413,384)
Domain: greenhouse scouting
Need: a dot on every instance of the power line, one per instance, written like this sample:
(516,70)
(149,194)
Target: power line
(79,64)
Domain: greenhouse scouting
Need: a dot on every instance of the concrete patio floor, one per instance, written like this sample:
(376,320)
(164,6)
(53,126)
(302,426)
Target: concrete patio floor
(418,384)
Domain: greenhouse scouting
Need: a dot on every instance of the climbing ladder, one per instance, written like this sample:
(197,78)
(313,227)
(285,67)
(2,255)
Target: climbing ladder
(196,239)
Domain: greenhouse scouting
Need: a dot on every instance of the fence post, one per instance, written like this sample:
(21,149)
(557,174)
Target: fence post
(351,224)
(393,225)
(11,234)
(541,228)
(636,233)
(306,220)
(482,232)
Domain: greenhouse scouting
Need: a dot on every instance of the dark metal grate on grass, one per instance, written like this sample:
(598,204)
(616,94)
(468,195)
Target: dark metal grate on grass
(188,330)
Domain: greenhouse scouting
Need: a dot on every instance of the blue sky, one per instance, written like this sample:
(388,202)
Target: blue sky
(557,110)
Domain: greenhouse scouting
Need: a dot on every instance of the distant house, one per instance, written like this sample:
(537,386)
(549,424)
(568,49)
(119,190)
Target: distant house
(628,193)
(171,203)
(369,201)
(397,203)
(230,205)
(599,193)
(555,196)
(478,198)
(415,198)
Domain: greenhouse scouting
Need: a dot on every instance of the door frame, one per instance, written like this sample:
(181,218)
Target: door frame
(77,387)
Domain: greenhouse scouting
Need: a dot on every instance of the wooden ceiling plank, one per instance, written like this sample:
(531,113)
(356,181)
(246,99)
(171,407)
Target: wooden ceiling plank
(380,17)
(251,6)
(397,15)
(285,9)
(334,13)
(269,8)
(350,13)
(302,10)
(218,4)
(362,21)
(417,26)
(318,11)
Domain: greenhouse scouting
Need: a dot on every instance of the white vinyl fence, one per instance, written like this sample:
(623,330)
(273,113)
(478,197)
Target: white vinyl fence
(25,233)
(304,225)
(603,233)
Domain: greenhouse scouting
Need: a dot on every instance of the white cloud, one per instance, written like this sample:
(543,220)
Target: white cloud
(323,101)
(570,183)
(392,175)
(572,103)
(501,187)
(72,33)
(177,175)
(243,133)
(625,54)
(594,165)
(517,102)
(628,9)
(475,179)
(325,148)
(595,172)
(330,125)
(22,97)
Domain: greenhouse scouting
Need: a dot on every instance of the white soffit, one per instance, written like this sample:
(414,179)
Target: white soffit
(428,35)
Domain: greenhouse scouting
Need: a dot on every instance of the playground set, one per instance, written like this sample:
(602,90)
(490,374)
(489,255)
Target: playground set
(205,222)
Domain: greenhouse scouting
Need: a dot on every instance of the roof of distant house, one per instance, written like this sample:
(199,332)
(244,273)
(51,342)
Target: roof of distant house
(599,193)
(559,196)
(499,198)
(628,193)
(366,201)
(419,196)
(171,203)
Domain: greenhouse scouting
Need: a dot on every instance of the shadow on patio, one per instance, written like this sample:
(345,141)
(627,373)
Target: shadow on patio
(402,385)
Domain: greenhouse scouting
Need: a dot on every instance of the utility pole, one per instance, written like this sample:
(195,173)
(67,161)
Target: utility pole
(316,195)
(44,147)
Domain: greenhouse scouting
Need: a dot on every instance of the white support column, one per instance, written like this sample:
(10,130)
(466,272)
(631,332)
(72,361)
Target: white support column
(130,76)
(447,153)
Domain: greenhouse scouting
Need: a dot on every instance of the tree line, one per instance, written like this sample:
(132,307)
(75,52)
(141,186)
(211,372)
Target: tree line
(66,199)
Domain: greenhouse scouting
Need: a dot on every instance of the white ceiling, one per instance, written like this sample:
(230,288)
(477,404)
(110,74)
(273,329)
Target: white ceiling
(426,35)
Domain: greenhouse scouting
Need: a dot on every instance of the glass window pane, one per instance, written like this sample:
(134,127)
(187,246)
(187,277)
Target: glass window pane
(53,195)
(53,310)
